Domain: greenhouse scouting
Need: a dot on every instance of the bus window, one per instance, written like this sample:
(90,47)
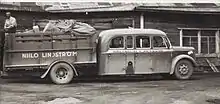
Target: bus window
(129,42)
(158,41)
(142,42)
(117,42)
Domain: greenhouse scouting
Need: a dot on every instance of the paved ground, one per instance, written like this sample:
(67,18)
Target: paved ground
(202,89)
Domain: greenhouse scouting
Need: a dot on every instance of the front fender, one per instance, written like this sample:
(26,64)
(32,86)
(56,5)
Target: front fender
(179,57)
(55,62)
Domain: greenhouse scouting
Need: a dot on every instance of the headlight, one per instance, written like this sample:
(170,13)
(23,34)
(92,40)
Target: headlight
(190,52)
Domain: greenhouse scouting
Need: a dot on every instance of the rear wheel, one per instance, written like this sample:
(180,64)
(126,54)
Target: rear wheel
(61,73)
(183,70)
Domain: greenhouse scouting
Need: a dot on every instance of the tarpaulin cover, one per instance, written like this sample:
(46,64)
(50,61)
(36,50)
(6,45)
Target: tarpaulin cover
(69,26)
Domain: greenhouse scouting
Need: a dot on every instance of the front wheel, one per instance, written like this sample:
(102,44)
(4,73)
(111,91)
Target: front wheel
(183,70)
(61,73)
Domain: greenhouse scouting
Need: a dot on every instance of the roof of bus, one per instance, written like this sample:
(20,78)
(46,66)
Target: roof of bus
(115,32)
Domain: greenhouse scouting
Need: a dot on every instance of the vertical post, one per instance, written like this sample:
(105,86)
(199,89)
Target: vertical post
(208,44)
(133,22)
(2,43)
(199,41)
(217,41)
(181,38)
(142,21)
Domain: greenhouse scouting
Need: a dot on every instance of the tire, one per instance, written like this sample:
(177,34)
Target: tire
(183,70)
(61,73)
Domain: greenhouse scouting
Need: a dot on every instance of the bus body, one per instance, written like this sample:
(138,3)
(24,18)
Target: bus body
(114,52)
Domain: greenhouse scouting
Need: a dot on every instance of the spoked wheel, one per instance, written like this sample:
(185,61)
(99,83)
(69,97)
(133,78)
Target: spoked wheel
(61,73)
(183,70)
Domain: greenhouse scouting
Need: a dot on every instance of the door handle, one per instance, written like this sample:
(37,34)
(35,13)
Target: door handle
(136,54)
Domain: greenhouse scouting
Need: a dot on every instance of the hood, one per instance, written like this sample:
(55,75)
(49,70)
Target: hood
(178,48)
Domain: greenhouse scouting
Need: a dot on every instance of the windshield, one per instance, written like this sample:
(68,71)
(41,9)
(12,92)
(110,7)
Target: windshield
(167,42)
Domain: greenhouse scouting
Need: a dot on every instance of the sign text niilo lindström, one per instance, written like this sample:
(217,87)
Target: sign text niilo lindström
(48,54)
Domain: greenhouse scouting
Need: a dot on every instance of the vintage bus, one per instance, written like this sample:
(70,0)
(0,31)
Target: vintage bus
(64,56)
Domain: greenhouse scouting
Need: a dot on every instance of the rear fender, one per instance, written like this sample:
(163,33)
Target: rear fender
(55,62)
(180,57)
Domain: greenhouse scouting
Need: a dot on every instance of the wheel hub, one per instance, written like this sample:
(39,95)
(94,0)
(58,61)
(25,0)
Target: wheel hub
(61,73)
(183,69)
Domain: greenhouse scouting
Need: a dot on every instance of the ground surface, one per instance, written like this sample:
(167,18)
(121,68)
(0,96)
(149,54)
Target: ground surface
(202,89)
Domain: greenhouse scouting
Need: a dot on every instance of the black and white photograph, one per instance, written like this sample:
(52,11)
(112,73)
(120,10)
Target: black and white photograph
(110,52)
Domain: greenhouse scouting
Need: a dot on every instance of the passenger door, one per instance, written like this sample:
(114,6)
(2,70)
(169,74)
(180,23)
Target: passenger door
(161,55)
(143,59)
(116,56)
(129,55)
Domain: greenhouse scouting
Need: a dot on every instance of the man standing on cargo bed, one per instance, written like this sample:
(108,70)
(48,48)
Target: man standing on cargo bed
(9,27)
(10,23)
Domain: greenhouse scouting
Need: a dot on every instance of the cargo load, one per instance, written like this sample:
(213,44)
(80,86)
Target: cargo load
(71,26)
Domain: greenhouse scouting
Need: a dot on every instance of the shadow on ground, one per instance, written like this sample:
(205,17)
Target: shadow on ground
(105,79)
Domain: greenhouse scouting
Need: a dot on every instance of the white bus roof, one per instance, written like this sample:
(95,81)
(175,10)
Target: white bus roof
(115,32)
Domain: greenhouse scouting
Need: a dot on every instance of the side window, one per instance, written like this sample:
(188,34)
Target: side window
(117,42)
(158,41)
(143,42)
(129,42)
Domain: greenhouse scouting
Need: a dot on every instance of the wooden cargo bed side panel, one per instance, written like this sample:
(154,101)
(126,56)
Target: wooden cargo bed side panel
(84,56)
(46,45)
(24,58)
(72,56)
(24,49)
(49,59)
(63,45)
(31,41)
(21,58)
(83,43)
(26,46)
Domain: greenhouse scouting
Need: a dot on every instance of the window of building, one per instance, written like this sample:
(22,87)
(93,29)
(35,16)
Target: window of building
(143,42)
(208,42)
(129,42)
(190,38)
(117,42)
(158,41)
(203,40)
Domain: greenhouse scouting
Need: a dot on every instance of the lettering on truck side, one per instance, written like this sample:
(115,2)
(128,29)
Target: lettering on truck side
(48,54)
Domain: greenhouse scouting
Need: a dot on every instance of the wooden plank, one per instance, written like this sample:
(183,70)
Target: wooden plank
(50,39)
(198,28)
(103,25)
(26,65)
(199,42)
(50,50)
(47,34)
(142,21)
(181,38)
(217,41)
(213,67)
(212,55)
